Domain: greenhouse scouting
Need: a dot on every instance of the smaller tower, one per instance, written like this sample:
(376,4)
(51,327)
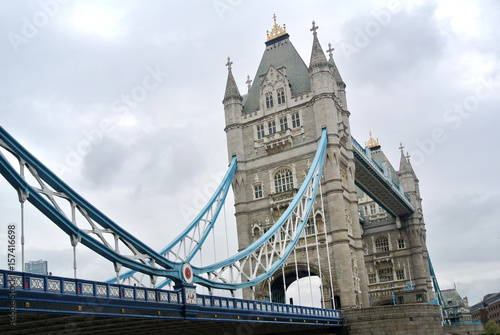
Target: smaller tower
(415,226)
(233,110)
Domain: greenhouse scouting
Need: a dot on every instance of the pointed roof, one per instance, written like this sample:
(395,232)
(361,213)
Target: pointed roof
(404,164)
(317,55)
(335,70)
(279,53)
(231,87)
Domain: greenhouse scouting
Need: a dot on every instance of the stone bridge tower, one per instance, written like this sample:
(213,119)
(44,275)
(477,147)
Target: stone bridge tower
(274,130)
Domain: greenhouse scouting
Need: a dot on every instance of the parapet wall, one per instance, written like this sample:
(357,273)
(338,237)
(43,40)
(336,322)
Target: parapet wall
(415,319)
(466,329)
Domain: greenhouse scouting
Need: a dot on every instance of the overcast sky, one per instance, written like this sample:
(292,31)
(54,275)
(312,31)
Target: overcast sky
(143,83)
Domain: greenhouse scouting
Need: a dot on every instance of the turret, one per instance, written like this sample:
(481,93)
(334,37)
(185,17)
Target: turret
(322,88)
(319,71)
(409,181)
(233,109)
(340,85)
(232,98)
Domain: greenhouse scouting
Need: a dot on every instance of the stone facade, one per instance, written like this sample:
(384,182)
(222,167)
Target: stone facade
(394,247)
(273,130)
(416,319)
(396,320)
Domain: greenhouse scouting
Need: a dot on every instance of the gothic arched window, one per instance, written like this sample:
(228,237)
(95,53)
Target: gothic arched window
(385,273)
(382,244)
(269,100)
(260,131)
(283,123)
(257,191)
(272,127)
(283,180)
(281,96)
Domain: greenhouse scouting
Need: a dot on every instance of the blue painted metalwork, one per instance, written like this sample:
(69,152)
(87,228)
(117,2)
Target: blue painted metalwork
(170,269)
(47,289)
(437,290)
(363,156)
(152,260)
(219,198)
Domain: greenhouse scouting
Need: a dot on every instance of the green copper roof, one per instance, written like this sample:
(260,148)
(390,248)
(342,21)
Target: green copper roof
(279,54)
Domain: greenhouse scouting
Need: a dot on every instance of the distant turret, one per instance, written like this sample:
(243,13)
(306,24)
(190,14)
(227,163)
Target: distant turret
(233,109)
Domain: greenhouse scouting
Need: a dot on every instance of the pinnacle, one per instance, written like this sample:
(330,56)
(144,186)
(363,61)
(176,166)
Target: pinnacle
(231,87)
(404,164)
(317,55)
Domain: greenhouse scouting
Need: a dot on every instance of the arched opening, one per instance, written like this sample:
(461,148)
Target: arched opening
(283,180)
(310,290)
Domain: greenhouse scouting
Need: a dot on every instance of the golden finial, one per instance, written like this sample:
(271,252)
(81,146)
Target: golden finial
(371,142)
(276,31)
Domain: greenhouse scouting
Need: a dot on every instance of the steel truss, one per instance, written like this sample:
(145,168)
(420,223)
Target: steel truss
(185,246)
(70,211)
(259,261)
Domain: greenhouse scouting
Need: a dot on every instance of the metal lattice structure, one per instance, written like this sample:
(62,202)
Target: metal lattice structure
(85,224)
(76,216)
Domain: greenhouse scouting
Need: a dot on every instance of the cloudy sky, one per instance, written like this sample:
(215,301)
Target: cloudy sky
(142,83)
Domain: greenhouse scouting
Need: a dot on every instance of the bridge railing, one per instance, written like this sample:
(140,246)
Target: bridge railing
(275,308)
(13,280)
(363,152)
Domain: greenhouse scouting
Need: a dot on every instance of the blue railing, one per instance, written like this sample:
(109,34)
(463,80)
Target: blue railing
(261,306)
(472,322)
(13,280)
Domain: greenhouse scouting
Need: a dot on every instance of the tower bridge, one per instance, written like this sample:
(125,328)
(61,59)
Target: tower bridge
(309,201)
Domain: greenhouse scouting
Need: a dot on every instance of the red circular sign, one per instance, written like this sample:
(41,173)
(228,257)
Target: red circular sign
(187,273)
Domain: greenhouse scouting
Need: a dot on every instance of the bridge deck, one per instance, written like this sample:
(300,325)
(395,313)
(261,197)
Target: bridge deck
(51,304)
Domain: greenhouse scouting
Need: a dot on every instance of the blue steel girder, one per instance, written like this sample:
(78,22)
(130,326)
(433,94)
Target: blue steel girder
(51,189)
(189,242)
(437,290)
(280,239)
(371,180)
